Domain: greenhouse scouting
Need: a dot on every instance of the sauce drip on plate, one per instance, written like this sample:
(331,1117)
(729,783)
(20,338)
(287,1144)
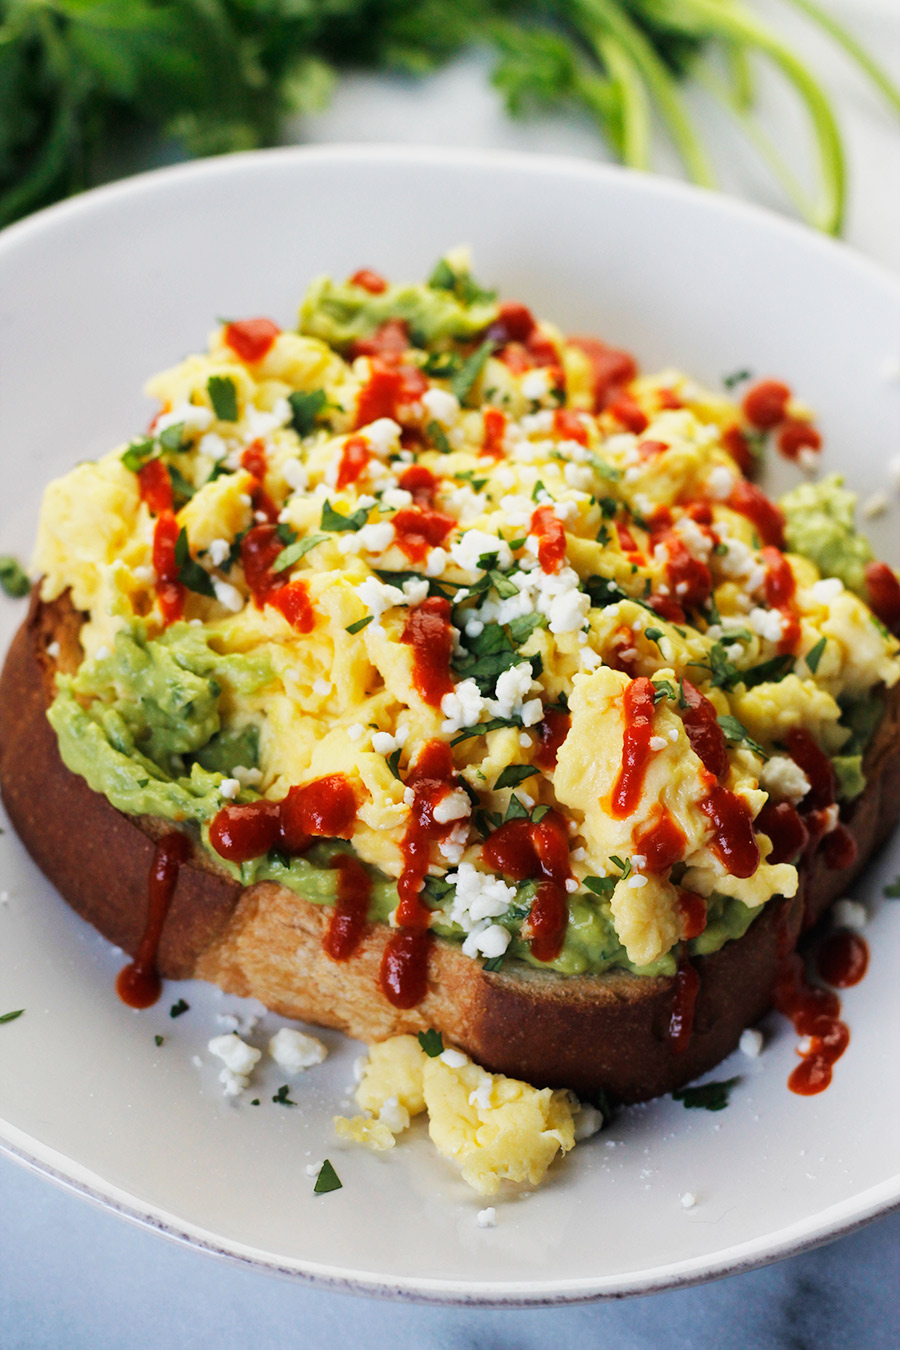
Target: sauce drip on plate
(138,984)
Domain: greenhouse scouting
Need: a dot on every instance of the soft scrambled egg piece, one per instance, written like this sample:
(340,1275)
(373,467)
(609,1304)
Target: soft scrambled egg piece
(494,1128)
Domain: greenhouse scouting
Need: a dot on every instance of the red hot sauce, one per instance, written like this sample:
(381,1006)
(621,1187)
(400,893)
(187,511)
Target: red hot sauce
(138,984)
(524,850)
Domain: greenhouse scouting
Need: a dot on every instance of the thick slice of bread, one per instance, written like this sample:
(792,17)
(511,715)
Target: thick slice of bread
(589,1033)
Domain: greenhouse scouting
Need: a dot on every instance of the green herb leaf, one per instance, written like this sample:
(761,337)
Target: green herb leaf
(11,1016)
(441,365)
(336,523)
(438,437)
(664,689)
(305,408)
(708,1096)
(294,552)
(159,1040)
(432,1042)
(514,774)
(892,889)
(602,886)
(359,625)
(13,578)
(768,672)
(623,864)
(190,573)
(482,728)
(178,1008)
(607,471)
(139,453)
(814,655)
(327,1180)
(653,634)
(520,629)
(223,396)
(462,380)
(173,437)
(180,485)
(539,812)
(282,1097)
(493,963)
(516,810)
(736,377)
(393,762)
(736,732)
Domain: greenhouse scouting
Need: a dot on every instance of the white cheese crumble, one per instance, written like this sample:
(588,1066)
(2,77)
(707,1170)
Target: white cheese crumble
(239,1060)
(321,687)
(719,483)
(441,405)
(230,787)
(588,1121)
(454,805)
(454,1059)
(463,706)
(394,1116)
(487,1218)
(383,435)
(293,1050)
(782,777)
(849,914)
(480,897)
(688,1200)
(228,596)
(751,1043)
(218,551)
(826,590)
(768,623)
(190,415)
(473,544)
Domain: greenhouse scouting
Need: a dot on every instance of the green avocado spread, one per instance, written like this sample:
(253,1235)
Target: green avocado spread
(819,524)
(147,726)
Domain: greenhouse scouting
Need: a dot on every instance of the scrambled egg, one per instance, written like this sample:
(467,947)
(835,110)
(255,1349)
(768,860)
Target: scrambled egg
(588,529)
(494,1128)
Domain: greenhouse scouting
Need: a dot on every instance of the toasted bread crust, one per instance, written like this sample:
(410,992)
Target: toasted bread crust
(590,1033)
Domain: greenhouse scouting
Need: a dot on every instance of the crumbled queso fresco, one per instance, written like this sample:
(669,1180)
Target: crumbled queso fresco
(444,619)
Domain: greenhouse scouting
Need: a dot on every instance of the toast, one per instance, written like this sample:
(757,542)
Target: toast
(596,1034)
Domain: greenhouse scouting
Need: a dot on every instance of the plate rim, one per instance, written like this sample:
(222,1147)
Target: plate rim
(834,1221)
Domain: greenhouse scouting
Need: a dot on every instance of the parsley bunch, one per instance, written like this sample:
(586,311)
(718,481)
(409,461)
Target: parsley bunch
(220,75)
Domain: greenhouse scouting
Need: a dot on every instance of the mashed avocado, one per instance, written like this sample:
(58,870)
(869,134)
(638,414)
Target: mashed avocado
(451,307)
(820,526)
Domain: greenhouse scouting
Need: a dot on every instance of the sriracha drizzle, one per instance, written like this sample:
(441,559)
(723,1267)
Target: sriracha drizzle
(138,984)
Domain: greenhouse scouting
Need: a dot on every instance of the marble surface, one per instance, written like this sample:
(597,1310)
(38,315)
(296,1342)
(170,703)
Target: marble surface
(74,1276)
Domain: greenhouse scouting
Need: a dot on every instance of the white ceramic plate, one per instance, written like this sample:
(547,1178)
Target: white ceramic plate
(97,294)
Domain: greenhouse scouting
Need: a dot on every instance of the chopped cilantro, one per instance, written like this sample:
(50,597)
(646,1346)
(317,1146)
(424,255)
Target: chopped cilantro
(432,1042)
(13,578)
(493,963)
(608,507)
(520,629)
(708,1096)
(537,490)
(441,365)
(814,655)
(768,671)
(294,552)
(173,437)
(282,1098)
(736,732)
(892,889)
(516,810)
(393,762)
(438,437)
(222,392)
(139,453)
(286,533)
(254,1101)
(327,1180)
(159,1040)
(736,377)
(482,728)
(539,812)
(719,549)
(11,1016)
(178,1008)
(180,485)
(337,523)
(468,476)
(485,657)
(359,625)
(602,886)
(514,774)
(462,380)
(190,573)
(305,408)
(654,634)
(624,866)
(608,471)
(664,689)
